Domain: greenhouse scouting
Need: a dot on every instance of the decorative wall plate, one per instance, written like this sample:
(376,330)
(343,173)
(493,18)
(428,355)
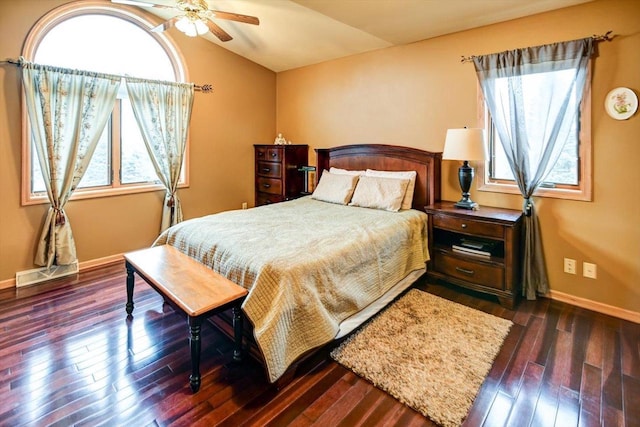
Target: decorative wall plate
(621,103)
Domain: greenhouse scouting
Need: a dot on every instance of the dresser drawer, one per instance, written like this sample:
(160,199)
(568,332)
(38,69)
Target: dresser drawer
(267,199)
(461,225)
(269,169)
(271,154)
(476,272)
(269,185)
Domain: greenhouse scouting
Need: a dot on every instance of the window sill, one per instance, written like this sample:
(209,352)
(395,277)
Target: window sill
(94,193)
(555,193)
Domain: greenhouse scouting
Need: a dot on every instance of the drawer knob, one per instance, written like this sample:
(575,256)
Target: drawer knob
(266,185)
(274,154)
(266,170)
(464,225)
(260,154)
(465,271)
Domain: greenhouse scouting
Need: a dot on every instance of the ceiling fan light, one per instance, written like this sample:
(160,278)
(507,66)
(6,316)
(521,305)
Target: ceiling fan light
(183,24)
(187,26)
(201,27)
(191,32)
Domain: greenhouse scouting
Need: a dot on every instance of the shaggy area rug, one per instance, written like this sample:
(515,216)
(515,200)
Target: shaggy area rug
(429,353)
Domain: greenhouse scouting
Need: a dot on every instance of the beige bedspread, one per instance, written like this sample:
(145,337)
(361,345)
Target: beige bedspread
(307,265)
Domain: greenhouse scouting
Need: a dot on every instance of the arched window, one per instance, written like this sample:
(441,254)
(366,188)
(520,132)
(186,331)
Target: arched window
(112,39)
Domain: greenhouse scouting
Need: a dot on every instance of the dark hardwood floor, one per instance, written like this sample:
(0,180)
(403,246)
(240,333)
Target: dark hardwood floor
(68,356)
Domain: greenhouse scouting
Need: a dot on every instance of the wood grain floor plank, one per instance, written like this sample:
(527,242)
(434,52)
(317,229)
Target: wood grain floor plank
(546,410)
(591,392)
(500,411)
(630,341)
(298,405)
(568,413)
(344,404)
(631,392)
(516,367)
(526,398)
(612,370)
(324,401)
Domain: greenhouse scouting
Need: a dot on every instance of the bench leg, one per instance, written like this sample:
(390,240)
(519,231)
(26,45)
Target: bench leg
(195,344)
(130,282)
(237,333)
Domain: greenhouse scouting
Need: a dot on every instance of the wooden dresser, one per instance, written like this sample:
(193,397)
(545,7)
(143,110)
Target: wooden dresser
(277,176)
(494,235)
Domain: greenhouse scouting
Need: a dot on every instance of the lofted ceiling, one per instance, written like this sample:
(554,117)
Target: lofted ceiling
(295,33)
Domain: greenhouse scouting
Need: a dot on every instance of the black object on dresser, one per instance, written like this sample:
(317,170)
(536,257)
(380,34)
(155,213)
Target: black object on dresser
(277,177)
(476,249)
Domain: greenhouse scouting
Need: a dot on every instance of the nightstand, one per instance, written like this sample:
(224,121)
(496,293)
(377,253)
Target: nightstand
(478,250)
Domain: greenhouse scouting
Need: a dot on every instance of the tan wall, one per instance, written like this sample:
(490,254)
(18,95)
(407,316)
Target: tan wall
(410,95)
(224,126)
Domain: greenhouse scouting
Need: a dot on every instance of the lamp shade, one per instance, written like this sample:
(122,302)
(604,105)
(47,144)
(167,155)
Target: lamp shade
(464,144)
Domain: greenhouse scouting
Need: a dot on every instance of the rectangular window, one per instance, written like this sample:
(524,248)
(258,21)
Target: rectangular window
(568,178)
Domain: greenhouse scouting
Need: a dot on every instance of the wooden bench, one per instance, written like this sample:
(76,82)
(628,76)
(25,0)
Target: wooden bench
(192,288)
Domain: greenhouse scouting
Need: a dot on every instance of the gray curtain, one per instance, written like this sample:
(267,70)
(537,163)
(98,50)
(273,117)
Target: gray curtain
(68,110)
(163,111)
(534,97)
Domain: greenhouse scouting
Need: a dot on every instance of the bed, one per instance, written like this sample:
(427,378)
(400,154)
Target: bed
(316,270)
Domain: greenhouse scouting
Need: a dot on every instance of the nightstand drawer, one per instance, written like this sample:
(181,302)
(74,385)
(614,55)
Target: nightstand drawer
(475,227)
(269,185)
(268,169)
(267,199)
(475,272)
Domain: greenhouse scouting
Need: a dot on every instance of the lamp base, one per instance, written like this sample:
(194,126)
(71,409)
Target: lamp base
(466,204)
(465,176)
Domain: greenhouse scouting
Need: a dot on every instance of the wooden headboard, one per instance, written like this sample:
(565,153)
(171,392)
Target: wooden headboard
(388,158)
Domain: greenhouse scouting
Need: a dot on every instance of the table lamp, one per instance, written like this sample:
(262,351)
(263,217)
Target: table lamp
(465,144)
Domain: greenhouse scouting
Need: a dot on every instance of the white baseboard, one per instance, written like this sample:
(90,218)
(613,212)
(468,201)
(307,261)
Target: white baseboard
(632,316)
(83,266)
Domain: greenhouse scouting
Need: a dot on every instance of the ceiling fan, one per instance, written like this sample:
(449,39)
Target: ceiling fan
(195,18)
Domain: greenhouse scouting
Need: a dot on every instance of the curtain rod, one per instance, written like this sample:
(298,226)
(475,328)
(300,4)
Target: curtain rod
(599,38)
(205,88)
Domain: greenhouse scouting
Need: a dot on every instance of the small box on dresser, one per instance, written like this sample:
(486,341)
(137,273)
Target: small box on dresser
(497,230)
(276,172)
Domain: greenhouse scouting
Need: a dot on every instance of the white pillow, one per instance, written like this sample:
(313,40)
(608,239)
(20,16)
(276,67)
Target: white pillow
(407,201)
(379,193)
(339,171)
(335,188)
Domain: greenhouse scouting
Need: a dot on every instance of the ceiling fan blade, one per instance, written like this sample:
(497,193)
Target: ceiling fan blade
(166,25)
(219,32)
(235,17)
(142,4)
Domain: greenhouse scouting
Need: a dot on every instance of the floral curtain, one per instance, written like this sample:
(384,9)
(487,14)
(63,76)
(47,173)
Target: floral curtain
(534,97)
(68,110)
(163,111)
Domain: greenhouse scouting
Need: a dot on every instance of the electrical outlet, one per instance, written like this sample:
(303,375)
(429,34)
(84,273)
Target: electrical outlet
(570,266)
(244,205)
(589,270)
